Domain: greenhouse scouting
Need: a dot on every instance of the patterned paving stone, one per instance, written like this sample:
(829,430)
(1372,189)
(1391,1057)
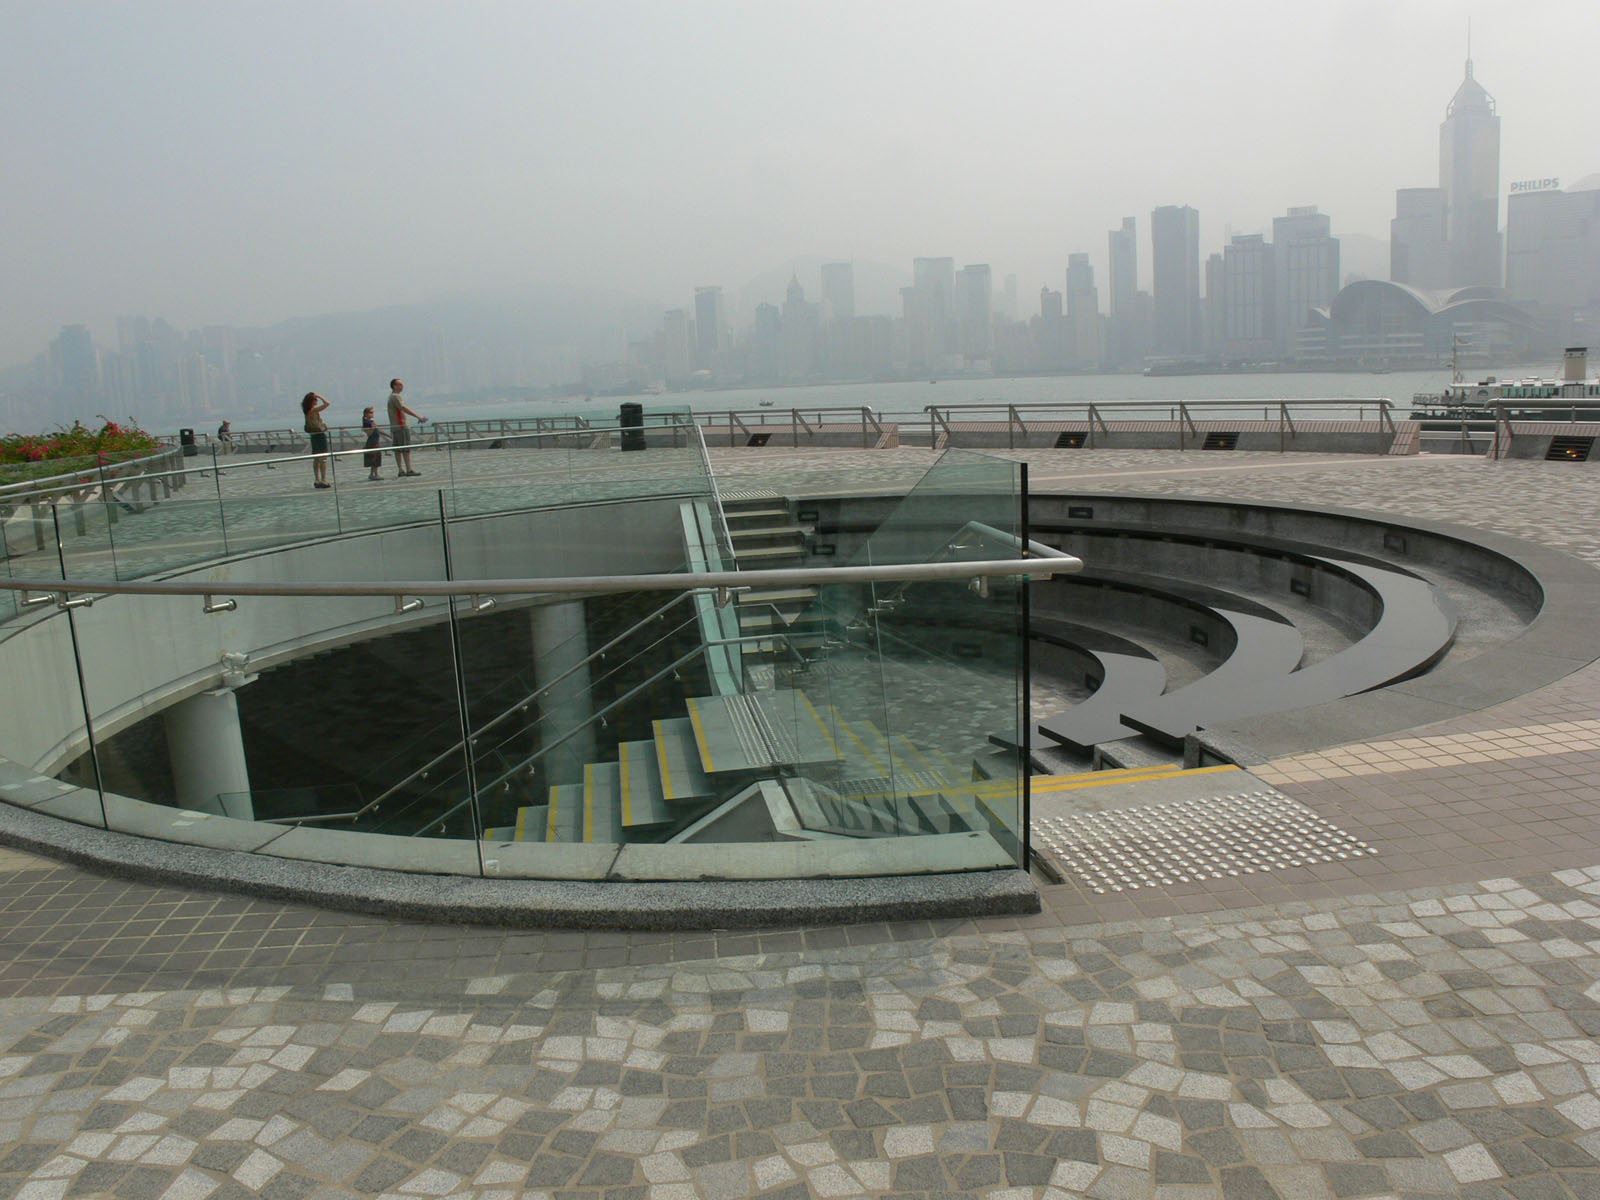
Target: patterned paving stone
(1421,1023)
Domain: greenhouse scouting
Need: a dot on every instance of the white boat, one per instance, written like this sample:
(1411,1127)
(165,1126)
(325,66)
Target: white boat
(1574,394)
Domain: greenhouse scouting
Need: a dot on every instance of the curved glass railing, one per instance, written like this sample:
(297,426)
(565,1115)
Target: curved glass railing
(173,510)
(396,691)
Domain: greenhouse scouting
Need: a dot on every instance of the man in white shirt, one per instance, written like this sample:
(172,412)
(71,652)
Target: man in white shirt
(399,434)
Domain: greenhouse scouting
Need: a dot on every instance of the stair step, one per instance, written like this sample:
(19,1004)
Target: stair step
(530,826)
(758,509)
(770,531)
(640,780)
(768,552)
(564,816)
(759,731)
(602,802)
(678,760)
(776,595)
(792,641)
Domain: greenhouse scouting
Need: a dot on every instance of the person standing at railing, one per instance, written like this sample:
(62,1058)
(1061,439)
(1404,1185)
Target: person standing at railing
(373,458)
(398,433)
(225,438)
(312,406)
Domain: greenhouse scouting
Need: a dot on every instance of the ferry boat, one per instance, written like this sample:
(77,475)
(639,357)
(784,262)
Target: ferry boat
(1573,396)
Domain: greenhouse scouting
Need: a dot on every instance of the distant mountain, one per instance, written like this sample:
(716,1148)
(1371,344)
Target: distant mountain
(877,287)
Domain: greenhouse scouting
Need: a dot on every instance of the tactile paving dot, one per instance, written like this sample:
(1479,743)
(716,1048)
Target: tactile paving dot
(1216,838)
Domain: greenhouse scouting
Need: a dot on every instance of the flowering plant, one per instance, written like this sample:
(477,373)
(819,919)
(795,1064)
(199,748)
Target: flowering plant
(110,443)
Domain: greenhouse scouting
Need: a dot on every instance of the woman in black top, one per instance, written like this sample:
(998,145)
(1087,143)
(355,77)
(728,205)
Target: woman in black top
(312,407)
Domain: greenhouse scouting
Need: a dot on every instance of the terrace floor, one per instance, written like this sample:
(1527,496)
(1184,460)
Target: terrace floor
(1423,1020)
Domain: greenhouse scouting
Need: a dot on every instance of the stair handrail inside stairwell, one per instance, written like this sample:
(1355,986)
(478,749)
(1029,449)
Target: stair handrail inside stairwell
(716,497)
(530,698)
(39,590)
(599,713)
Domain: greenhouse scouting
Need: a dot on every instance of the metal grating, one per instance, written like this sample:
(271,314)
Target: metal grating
(1569,449)
(1217,838)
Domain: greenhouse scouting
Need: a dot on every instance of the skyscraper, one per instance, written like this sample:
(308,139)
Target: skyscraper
(936,279)
(1123,248)
(1212,309)
(974,309)
(1416,239)
(1175,266)
(1081,294)
(1469,175)
(1307,261)
(74,363)
(708,326)
(1553,256)
(1052,329)
(1249,310)
(838,291)
(799,333)
(1124,268)
(932,310)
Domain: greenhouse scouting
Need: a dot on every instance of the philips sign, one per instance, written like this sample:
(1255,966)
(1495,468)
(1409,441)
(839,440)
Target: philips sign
(1534,185)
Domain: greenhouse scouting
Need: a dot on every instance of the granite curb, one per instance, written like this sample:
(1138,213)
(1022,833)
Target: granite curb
(582,904)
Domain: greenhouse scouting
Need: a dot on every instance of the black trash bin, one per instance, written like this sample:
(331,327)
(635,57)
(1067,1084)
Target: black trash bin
(186,440)
(631,418)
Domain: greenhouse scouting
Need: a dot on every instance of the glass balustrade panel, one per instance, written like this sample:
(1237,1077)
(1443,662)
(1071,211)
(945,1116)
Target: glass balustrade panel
(45,759)
(913,680)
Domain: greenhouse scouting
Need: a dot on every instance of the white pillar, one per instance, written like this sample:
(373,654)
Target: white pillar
(560,642)
(206,747)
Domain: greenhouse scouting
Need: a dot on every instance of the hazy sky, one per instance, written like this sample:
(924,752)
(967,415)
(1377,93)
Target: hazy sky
(241,163)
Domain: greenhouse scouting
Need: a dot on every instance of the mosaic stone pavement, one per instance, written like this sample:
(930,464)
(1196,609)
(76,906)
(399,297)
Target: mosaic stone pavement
(1442,1044)
(1421,1023)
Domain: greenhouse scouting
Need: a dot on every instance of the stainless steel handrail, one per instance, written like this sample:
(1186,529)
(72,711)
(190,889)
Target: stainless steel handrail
(1063,406)
(530,698)
(90,476)
(600,714)
(579,585)
(716,491)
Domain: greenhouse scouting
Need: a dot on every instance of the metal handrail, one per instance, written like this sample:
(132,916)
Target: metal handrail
(530,698)
(573,585)
(716,490)
(1038,406)
(84,476)
(600,714)
(95,476)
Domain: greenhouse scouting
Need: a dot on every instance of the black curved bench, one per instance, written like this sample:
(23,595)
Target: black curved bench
(1128,672)
(1133,679)
(1416,627)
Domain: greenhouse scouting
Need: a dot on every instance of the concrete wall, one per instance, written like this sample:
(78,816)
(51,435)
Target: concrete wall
(143,653)
(1400,544)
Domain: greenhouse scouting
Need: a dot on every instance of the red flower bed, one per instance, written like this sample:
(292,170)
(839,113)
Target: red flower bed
(110,443)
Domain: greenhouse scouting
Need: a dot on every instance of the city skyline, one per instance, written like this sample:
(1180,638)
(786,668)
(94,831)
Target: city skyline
(651,151)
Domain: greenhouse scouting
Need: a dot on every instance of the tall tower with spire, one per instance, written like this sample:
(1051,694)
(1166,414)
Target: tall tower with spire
(1469,177)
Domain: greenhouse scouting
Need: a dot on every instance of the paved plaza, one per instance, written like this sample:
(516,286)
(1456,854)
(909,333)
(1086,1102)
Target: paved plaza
(1419,1021)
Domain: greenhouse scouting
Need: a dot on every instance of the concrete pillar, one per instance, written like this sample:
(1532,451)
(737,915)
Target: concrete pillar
(206,748)
(560,641)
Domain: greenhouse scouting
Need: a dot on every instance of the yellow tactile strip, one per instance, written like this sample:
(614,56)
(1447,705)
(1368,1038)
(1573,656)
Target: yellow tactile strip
(1443,750)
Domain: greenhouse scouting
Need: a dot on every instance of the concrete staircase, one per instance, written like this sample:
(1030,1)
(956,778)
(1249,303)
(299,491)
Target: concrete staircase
(776,765)
(766,538)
